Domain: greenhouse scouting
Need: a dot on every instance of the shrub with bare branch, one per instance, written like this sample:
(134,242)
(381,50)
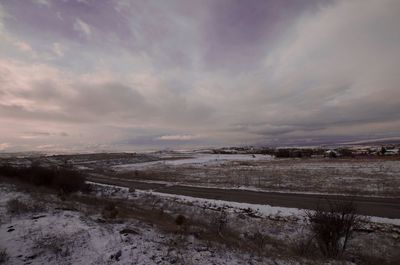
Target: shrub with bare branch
(220,222)
(17,207)
(333,226)
(3,256)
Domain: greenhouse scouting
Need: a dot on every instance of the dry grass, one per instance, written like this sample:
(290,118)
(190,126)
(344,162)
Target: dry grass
(110,211)
(333,223)
(18,207)
(199,223)
(304,246)
(157,175)
(3,256)
(212,229)
(377,258)
(58,245)
(343,175)
(61,179)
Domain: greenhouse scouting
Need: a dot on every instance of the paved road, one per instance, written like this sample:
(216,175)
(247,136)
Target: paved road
(382,207)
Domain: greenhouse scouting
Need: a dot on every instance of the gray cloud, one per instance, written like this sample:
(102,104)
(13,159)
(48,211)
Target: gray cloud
(228,72)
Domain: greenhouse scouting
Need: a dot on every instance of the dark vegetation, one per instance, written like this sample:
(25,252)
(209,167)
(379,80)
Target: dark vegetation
(295,152)
(58,245)
(3,256)
(180,220)
(17,207)
(110,211)
(64,180)
(215,227)
(332,227)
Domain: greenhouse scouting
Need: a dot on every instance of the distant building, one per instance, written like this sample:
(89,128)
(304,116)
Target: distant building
(331,153)
(390,152)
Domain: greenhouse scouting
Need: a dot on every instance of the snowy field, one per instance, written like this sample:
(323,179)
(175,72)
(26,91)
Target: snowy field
(197,160)
(370,176)
(71,231)
(56,236)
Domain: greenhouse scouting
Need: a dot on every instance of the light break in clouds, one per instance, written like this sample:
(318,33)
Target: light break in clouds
(127,75)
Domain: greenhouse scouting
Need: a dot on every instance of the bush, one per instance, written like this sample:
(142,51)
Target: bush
(62,179)
(304,246)
(334,226)
(260,241)
(220,222)
(3,256)
(58,245)
(180,220)
(110,211)
(16,207)
(69,180)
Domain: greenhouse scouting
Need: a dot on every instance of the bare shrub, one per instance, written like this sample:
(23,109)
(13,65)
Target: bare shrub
(58,245)
(110,211)
(372,256)
(183,223)
(180,220)
(17,207)
(3,256)
(220,222)
(304,246)
(334,226)
(260,240)
(176,250)
(68,180)
(63,179)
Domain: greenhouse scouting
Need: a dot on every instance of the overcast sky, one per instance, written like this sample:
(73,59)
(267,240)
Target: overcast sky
(129,75)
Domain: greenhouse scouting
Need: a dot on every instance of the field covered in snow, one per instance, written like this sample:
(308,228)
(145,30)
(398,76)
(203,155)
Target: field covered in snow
(195,159)
(109,224)
(74,235)
(370,176)
(74,230)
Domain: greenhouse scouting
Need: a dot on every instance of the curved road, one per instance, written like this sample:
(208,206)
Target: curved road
(372,206)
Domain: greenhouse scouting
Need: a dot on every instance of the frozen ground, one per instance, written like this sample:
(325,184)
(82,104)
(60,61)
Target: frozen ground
(68,232)
(55,236)
(366,176)
(259,210)
(370,176)
(197,159)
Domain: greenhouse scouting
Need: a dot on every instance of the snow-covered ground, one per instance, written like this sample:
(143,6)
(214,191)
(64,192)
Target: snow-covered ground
(197,159)
(62,237)
(261,210)
(370,176)
(54,234)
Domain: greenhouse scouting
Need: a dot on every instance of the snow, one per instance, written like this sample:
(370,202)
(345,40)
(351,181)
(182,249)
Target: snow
(260,209)
(264,210)
(55,236)
(245,188)
(197,159)
(69,237)
(370,177)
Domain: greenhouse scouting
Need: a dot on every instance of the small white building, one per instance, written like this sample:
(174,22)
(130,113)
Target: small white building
(391,152)
(331,153)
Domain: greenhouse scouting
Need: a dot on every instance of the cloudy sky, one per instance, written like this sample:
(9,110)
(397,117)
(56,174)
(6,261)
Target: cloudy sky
(130,75)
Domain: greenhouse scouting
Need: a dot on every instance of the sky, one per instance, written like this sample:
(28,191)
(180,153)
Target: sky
(91,75)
